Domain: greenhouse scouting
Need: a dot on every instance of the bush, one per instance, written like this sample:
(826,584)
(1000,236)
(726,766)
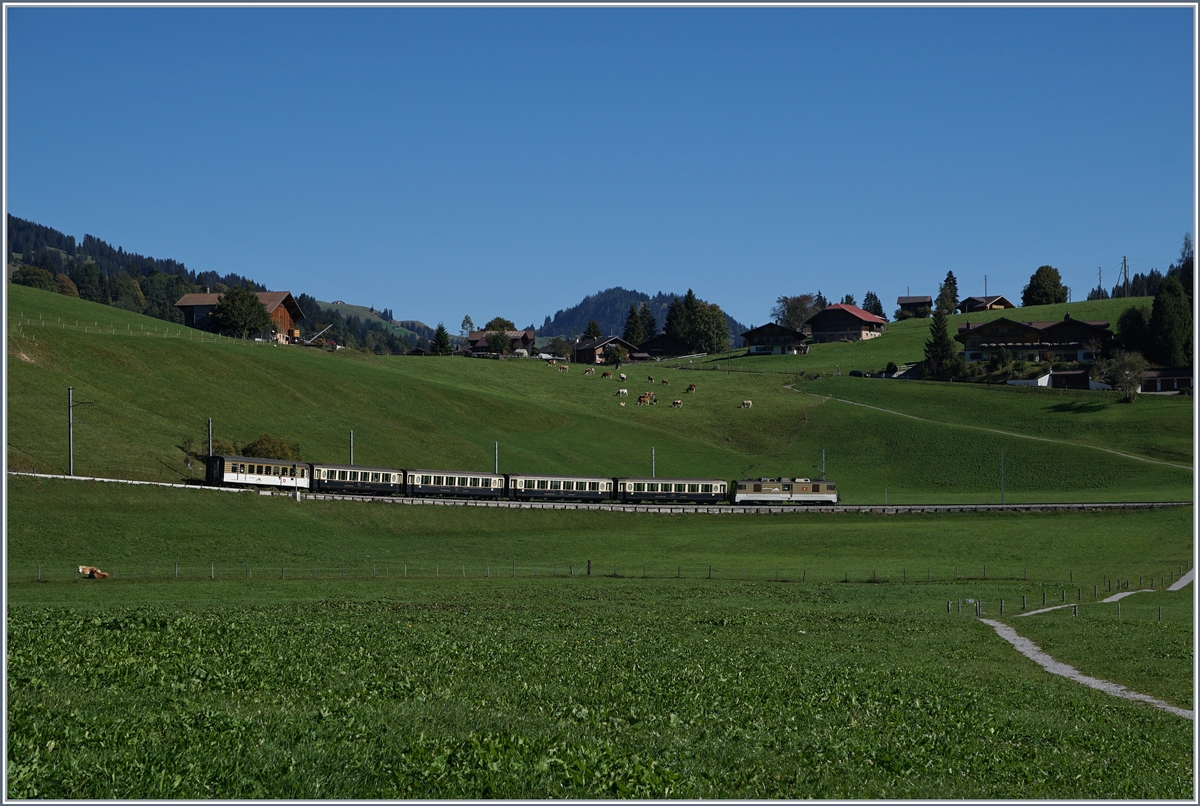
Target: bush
(34,277)
(268,446)
(891,368)
(64,286)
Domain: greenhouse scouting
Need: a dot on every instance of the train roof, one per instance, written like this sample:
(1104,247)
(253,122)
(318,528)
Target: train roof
(672,479)
(256,459)
(330,465)
(443,472)
(559,476)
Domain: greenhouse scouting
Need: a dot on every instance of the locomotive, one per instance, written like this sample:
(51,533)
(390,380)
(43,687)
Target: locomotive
(321,477)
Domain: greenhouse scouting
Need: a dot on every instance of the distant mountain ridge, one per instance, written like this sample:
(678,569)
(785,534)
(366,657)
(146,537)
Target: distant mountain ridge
(611,307)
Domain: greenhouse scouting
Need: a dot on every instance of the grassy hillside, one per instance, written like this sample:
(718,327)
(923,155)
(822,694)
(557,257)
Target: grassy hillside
(149,393)
(368,314)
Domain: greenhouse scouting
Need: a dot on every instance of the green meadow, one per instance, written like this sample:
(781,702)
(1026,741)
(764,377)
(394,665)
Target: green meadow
(256,646)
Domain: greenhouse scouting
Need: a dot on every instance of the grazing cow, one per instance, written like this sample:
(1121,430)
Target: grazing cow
(691,388)
(605,374)
(644,400)
(92,572)
(666,382)
(677,404)
(590,371)
(622,393)
(747,404)
(650,378)
(563,368)
(551,362)
(623,377)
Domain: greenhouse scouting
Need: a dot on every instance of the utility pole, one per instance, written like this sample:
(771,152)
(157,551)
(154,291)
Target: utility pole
(985,285)
(1125,270)
(652,463)
(1001,475)
(822,465)
(351,446)
(496,447)
(70,430)
(210,437)
(1100,277)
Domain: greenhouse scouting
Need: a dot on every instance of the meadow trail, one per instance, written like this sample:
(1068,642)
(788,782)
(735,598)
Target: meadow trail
(989,430)
(1035,653)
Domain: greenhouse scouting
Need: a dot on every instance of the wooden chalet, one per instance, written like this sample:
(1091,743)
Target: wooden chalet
(841,322)
(1066,340)
(977,304)
(664,346)
(281,305)
(915,305)
(477,342)
(773,339)
(592,350)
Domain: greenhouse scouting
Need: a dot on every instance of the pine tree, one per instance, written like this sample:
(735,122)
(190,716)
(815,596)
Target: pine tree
(871,304)
(441,341)
(593,330)
(1171,326)
(947,299)
(635,331)
(941,356)
(649,326)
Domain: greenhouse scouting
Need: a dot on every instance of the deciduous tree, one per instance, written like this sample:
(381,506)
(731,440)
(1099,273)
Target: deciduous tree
(1045,288)
(269,446)
(240,312)
(499,323)
(467,326)
(1124,372)
(794,311)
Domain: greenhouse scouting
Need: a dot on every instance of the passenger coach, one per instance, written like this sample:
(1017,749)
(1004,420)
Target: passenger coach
(252,471)
(455,484)
(524,487)
(650,490)
(358,479)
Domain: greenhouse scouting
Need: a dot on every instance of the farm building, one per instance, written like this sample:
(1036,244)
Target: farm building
(664,346)
(841,322)
(477,342)
(976,304)
(1067,340)
(285,312)
(773,339)
(1177,380)
(915,305)
(592,350)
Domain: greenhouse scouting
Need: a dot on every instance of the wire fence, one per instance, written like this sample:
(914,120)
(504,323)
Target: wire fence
(1041,592)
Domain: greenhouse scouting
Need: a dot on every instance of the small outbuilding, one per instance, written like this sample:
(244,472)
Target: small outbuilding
(592,351)
(915,305)
(774,339)
(664,346)
(977,304)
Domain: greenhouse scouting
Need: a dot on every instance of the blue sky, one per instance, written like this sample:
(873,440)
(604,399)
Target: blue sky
(442,162)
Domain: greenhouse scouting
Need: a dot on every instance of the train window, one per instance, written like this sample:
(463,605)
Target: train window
(555,484)
(594,486)
(568,485)
(439,481)
(787,488)
(720,488)
(693,488)
(679,488)
(639,487)
(462,481)
(830,488)
(543,484)
(427,479)
(342,475)
(302,472)
(652,487)
(353,475)
(816,488)
(621,487)
(706,488)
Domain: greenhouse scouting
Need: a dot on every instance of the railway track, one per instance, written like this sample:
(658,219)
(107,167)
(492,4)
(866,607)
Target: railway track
(664,509)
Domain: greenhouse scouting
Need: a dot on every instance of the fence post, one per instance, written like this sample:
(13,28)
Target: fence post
(212,571)
(177,570)
(1022,601)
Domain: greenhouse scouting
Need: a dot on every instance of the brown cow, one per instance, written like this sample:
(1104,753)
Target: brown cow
(92,572)
(590,371)
(666,382)
(563,368)
(677,404)
(691,388)
(605,374)
(644,400)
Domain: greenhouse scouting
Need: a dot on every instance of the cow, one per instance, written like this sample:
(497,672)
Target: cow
(92,572)
(621,403)
(605,374)
(644,400)
(666,382)
(691,388)
(677,404)
(622,393)
(551,362)
(563,368)
(622,376)
(650,378)
(590,371)
(747,404)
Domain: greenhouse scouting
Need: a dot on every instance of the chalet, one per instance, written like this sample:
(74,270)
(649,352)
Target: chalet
(477,342)
(773,339)
(664,346)
(285,312)
(592,350)
(977,304)
(1068,340)
(841,322)
(915,305)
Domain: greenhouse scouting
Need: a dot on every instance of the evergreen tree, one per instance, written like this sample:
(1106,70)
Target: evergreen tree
(441,341)
(649,326)
(1133,329)
(820,301)
(1184,270)
(1045,288)
(1097,293)
(240,312)
(91,282)
(941,354)
(127,293)
(593,330)
(1171,326)
(871,304)
(635,330)
(947,298)
(849,300)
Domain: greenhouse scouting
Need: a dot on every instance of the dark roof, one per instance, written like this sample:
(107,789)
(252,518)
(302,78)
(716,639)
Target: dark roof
(595,344)
(853,310)
(271,299)
(666,344)
(773,329)
(987,301)
(914,300)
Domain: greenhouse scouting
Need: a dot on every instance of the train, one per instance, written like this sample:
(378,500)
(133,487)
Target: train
(321,477)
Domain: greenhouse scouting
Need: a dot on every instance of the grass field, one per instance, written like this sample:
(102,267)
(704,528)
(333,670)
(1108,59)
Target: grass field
(148,394)
(370,650)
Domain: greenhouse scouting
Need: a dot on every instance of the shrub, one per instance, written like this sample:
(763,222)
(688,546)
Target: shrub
(268,446)
(891,368)
(34,277)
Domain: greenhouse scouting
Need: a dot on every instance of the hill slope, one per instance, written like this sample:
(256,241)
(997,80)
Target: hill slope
(150,393)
